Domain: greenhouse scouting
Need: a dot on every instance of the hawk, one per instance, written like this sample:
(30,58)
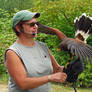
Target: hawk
(75,46)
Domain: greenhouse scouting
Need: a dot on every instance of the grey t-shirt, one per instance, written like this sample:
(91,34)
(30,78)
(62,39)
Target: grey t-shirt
(37,63)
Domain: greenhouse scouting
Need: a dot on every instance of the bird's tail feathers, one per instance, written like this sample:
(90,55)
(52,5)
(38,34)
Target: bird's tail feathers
(83,27)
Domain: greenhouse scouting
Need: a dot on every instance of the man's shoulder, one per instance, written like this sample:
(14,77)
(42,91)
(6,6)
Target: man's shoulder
(41,43)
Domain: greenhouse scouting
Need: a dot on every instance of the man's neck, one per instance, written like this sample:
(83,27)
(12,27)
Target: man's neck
(26,41)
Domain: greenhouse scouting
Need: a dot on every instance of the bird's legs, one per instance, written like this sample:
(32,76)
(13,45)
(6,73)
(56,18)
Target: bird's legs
(71,56)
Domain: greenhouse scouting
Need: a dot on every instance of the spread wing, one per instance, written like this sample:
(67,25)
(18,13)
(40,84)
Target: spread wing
(79,48)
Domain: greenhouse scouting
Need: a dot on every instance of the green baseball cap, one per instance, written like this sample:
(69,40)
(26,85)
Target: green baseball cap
(23,15)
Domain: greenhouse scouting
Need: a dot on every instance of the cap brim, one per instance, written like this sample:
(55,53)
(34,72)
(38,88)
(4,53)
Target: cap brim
(37,15)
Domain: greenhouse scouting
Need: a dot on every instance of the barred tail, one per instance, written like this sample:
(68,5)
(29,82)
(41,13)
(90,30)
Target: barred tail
(83,27)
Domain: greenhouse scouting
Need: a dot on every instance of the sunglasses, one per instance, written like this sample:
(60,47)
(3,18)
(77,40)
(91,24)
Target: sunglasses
(32,24)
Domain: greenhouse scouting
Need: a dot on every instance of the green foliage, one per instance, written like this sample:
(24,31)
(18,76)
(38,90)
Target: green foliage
(85,79)
(59,14)
(6,36)
(10,5)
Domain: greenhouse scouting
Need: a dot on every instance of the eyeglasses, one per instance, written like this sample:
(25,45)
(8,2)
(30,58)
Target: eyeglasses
(32,24)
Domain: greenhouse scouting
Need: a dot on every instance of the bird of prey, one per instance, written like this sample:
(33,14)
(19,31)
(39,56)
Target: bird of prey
(76,46)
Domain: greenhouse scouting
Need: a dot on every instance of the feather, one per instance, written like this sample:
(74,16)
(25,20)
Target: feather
(87,55)
(83,54)
(83,27)
(81,50)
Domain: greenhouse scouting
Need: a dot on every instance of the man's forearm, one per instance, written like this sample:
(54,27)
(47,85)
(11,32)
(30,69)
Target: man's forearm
(29,83)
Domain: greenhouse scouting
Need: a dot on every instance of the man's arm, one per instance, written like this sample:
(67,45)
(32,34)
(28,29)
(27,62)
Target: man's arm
(18,73)
(56,66)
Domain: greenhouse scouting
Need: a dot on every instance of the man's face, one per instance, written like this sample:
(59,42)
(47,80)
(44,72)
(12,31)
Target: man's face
(30,27)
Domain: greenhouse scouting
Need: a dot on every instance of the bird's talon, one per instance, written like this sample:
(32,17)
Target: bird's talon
(58,49)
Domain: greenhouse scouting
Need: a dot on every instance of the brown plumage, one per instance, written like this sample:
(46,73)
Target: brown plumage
(76,46)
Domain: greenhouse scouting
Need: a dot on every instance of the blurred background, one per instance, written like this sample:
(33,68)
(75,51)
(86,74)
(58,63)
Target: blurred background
(59,14)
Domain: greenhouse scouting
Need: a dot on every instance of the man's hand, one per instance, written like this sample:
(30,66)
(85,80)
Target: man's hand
(57,77)
(59,69)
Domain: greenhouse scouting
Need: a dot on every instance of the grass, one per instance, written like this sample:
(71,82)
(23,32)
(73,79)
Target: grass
(59,88)
(3,78)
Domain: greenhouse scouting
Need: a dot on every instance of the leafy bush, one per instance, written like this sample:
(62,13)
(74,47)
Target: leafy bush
(6,36)
(59,14)
(10,5)
(85,79)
